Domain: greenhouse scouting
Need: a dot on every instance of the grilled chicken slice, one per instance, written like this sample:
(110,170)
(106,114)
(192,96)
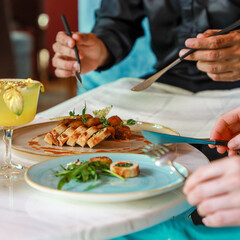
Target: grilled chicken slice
(65,135)
(83,138)
(52,136)
(75,124)
(50,139)
(73,138)
(98,137)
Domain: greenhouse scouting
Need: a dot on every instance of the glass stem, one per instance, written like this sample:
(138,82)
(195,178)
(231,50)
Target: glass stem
(7,138)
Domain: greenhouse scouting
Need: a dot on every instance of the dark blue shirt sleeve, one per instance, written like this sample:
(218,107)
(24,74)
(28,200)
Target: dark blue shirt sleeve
(118,25)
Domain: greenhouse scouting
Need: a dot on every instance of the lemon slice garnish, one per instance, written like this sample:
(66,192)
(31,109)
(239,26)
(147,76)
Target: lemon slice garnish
(14,100)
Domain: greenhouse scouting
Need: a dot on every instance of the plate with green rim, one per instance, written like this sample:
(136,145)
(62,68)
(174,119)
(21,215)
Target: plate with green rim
(151,181)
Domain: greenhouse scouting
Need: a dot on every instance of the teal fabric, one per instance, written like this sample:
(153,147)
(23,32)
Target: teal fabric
(135,65)
(182,228)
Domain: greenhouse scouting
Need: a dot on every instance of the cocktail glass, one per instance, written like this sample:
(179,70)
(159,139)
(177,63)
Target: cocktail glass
(18,104)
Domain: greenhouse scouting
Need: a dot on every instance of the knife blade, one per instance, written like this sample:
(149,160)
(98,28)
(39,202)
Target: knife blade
(162,138)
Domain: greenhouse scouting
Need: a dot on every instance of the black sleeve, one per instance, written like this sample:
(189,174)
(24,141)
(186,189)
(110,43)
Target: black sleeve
(118,25)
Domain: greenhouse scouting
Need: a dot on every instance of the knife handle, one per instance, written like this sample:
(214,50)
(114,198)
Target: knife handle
(215,142)
(224,31)
(221,142)
(196,218)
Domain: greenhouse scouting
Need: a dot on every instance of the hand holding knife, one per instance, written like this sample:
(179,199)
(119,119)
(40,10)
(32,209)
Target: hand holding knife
(148,82)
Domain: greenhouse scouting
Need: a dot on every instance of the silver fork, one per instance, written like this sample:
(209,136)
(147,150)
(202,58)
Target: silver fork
(162,155)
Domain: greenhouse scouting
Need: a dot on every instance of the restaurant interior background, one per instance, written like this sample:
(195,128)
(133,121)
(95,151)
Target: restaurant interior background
(27,32)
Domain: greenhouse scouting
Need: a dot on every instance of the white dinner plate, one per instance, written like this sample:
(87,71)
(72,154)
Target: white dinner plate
(151,181)
(30,139)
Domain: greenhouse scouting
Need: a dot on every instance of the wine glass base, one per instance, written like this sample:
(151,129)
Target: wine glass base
(11,171)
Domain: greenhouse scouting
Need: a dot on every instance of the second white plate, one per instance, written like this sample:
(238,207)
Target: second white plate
(30,139)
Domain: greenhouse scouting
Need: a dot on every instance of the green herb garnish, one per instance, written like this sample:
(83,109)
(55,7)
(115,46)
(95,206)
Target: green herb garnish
(84,119)
(84,172)
(129,122)
(72,113)
(104,122)
(124,164)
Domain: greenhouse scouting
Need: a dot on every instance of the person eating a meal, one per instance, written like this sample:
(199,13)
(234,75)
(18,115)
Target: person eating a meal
(175,26)
(215,188)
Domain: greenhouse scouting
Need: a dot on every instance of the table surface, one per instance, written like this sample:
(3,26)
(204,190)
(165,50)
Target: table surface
(26,213)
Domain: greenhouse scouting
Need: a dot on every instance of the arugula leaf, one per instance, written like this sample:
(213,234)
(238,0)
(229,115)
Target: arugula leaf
(84,172)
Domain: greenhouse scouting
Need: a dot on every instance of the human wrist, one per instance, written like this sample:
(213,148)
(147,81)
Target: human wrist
(105,56)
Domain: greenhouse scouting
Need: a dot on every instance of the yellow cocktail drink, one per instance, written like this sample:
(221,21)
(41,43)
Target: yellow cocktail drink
(29,90)
(30,99)
(18,104)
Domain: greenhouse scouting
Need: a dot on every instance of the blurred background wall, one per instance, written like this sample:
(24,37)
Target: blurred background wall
(7,65)
(33,25)
(28,31)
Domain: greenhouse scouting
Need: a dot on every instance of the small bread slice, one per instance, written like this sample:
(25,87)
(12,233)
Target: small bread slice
(98,137)
(83,138)
(73,138)
(65,136)
(125,169)
(52,136)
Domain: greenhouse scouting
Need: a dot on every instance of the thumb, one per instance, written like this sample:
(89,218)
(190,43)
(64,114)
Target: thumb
(234,143)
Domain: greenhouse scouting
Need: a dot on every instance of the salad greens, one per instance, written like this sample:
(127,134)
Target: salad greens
(83,172)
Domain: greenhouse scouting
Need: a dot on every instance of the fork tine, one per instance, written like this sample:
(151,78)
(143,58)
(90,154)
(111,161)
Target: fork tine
(166,149)
(162,155)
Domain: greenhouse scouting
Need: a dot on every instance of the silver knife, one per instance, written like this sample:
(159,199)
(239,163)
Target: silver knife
(148,82)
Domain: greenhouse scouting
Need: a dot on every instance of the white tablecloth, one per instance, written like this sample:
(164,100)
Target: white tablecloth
(190,114)
(28,214)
